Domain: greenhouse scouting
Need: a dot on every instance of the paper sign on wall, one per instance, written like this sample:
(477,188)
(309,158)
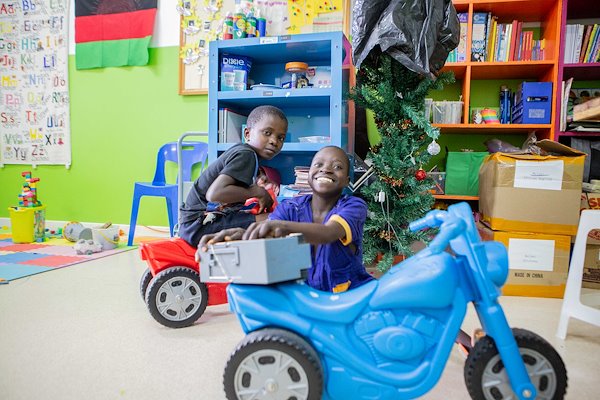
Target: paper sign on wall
(34,85)
(539,175)
(531,254)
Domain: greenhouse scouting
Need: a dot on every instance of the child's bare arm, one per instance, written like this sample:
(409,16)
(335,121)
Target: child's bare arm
(226,190)
(313,233)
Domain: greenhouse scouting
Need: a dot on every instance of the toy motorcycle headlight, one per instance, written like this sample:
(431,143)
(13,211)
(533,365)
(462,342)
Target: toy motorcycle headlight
(497,267)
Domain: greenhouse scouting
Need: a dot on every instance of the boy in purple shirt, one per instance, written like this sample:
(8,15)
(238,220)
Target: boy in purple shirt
(331,222)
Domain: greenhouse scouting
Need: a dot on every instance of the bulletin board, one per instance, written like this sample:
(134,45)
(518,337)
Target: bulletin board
(202,21)
(34,88)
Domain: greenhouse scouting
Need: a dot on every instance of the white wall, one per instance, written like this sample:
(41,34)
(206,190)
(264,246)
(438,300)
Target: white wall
(166,26)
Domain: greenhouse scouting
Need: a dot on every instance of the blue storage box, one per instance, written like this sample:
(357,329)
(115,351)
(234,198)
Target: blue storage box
(533,103)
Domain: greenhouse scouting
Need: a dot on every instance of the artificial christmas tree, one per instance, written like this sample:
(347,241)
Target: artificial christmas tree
(393,78)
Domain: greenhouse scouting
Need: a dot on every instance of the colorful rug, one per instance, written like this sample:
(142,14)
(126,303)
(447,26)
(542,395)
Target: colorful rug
(20,260)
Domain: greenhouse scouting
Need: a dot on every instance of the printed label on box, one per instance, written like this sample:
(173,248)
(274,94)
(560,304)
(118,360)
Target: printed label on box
(531,254)
(234,72)
(537,113)
(539,175)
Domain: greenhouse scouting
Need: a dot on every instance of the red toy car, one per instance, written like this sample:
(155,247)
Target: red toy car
(171,285)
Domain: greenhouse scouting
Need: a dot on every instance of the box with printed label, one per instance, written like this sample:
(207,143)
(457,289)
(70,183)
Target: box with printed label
(234,72)
(591,201)
(591,267)
(533,102)
(538,263)
(532,193)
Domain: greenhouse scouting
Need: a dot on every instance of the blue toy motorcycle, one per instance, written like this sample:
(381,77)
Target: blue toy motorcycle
(391,338)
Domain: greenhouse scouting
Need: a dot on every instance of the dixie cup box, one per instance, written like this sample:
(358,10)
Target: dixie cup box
(234,72)
(532,193)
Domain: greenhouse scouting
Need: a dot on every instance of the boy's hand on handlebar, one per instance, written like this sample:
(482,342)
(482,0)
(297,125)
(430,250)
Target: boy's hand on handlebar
(266,229)
(226,235)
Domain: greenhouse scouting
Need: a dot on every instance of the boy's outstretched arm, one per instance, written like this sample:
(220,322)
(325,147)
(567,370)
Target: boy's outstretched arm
(313,233)
(225,189)
(226,235)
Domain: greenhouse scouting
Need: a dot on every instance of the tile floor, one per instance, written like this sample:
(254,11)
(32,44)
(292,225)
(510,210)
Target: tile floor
(83,332)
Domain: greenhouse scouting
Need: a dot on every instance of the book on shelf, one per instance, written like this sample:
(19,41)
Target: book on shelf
(231,126)
(479,36)
(459,54)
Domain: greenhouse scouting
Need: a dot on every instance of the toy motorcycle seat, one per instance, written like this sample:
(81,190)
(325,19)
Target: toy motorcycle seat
(418,282)
(335,307)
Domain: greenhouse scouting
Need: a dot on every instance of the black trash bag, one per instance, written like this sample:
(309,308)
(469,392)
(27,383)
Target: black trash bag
(417,33)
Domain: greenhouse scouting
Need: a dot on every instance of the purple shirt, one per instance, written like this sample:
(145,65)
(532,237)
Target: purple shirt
(334,263)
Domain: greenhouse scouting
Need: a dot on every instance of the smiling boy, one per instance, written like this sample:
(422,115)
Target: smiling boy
(331,222)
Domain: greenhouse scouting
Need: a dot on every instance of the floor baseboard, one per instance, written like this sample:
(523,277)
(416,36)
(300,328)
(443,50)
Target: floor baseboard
(140,230)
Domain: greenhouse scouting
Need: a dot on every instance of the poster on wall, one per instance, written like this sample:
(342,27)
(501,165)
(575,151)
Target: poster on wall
(203,21)
(34,85)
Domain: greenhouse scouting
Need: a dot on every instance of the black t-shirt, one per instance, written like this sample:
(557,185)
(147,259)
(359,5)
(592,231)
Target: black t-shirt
(239,162)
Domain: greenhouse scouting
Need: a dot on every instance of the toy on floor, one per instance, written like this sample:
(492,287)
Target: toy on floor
(390,338)
(88,247)
(171,285)
(74,231)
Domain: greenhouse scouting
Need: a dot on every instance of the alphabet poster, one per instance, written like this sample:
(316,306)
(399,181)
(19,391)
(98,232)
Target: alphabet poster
(34,86)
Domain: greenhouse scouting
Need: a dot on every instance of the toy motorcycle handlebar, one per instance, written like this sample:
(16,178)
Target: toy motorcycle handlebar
(450,227)
(432,219)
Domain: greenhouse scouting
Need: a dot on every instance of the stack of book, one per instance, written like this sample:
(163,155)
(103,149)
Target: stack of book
(492,41)
(301,184)
(582,43)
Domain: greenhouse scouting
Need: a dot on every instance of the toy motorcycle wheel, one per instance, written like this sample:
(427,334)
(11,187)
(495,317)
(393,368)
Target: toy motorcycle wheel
(176,298)
(144,282)
(486,377)
(273,364)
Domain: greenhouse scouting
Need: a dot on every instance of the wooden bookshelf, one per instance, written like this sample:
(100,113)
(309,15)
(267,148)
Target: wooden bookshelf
(546,14)
(575,11)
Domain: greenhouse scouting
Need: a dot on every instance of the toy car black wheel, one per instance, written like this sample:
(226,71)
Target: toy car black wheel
(176,298)
(486,378)
(273,364)
(144,282)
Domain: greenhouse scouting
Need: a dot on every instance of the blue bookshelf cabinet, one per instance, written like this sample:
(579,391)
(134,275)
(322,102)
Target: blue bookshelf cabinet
(310,111)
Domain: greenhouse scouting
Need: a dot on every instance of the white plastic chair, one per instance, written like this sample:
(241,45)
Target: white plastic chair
(572,305)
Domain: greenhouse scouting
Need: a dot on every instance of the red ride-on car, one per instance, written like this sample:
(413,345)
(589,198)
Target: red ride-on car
(171,285)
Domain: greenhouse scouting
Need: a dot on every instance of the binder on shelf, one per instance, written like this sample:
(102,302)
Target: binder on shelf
(231,126)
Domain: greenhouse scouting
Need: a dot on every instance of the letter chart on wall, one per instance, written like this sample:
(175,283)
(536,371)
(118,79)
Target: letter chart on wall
(34,87)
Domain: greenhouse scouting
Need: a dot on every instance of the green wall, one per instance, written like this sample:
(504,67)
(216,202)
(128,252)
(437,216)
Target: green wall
(119,119)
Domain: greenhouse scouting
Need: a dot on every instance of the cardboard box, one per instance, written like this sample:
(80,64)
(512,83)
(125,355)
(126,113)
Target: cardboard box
(234,72)
(531,193)
(538,263)
(591,267)
(591,201)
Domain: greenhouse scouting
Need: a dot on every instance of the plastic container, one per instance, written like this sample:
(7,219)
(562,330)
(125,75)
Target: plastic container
(108,238)
(28,224)
(296,77)
(447,112)
(428,104)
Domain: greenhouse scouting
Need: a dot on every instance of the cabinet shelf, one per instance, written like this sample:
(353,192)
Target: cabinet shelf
(491,129)
(455,197)
(289,97)
(582,71)
(511,69)
(309,111)
(579,134)
(287,147)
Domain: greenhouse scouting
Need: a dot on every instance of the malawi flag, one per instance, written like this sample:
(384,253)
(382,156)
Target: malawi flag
(113,33)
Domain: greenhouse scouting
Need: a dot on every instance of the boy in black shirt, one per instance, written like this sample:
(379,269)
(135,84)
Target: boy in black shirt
(230,180)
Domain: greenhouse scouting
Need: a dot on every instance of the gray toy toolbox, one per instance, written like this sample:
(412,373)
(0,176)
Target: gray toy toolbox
(259,262)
